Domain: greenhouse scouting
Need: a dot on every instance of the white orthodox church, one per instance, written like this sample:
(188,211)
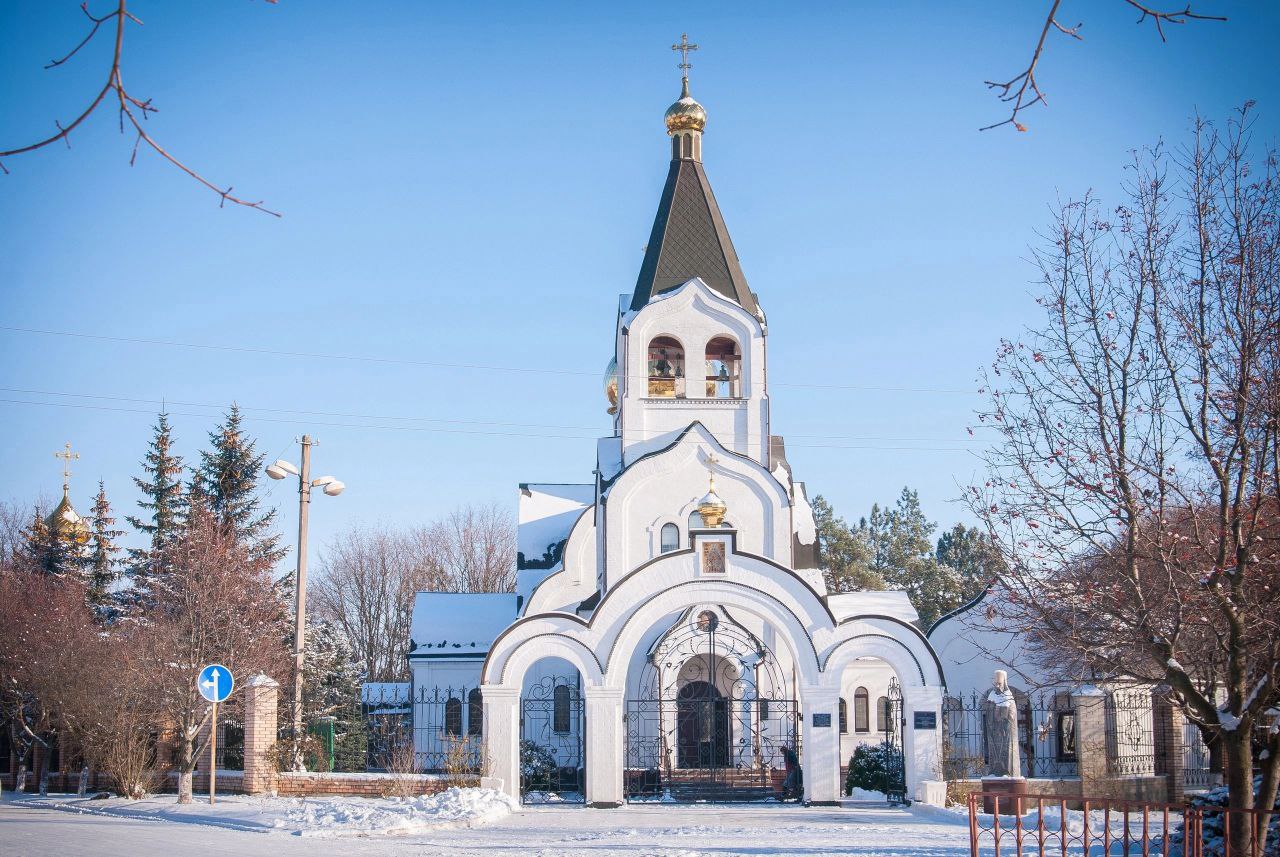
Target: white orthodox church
(671,636)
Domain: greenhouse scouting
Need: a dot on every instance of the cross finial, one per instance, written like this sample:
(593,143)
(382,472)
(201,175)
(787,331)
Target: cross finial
(684,47)
(67,457)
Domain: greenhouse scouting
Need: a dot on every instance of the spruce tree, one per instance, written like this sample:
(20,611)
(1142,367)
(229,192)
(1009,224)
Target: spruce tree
(162,500)
(101,564)
(843,553)
(227,478)
(47,551)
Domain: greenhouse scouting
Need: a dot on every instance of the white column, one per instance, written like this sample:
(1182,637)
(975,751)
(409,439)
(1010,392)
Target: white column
(922,747)
(502,735)
(604,747)
(820,750)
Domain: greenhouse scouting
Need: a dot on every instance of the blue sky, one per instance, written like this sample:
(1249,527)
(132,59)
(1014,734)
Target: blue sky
(474,183)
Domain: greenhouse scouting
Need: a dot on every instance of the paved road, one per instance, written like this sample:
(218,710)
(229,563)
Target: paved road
(664,831)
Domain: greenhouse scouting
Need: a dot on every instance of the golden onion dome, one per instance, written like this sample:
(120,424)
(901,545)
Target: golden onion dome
(66,523)
(611,385)
(711,508)
(686,114)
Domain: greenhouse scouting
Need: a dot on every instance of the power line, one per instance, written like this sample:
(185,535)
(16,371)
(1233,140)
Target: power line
(366,426)
(594,429)
(434,364)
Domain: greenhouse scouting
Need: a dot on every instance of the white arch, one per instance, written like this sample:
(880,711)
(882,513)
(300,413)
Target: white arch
(895,643)
(529,650)
(791,628)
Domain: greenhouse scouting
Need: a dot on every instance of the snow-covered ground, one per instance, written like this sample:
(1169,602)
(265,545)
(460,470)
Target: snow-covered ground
(246,827)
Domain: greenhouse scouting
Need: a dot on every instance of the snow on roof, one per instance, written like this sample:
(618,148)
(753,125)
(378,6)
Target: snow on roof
(547,513)
(609,457)
(459,623)
(890,602)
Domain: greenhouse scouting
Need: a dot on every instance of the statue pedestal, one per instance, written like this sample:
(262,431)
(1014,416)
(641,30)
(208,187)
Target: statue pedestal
(1007,791)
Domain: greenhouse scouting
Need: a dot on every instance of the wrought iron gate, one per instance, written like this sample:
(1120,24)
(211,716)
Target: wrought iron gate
(714,720)
(552,730)
(895,767)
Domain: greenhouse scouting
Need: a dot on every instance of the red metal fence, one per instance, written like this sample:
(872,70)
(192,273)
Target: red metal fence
(1022,826)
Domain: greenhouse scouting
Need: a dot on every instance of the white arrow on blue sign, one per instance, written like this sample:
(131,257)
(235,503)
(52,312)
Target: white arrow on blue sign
(215,683)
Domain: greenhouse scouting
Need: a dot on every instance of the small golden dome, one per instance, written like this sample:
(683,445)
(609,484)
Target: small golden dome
(686,114)
(711,508)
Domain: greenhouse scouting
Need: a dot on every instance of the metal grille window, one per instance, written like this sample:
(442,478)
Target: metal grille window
(453,716)
(560,720)
(475,713)
(861,714)
(670,538)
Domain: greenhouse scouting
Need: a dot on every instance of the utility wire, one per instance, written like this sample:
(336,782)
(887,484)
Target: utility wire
(315,355)
(594,429)
(367,426)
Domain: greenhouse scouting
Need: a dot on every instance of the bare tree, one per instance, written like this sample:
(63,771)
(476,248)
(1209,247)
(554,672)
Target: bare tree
(214,603)
(1135,484)
(129,108)
(369,577)
(475,546)
(1023,90)
(366,585)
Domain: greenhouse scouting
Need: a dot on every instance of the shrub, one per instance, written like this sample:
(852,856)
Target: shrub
(869,768)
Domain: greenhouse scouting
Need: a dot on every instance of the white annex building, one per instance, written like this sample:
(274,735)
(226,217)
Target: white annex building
(671,636)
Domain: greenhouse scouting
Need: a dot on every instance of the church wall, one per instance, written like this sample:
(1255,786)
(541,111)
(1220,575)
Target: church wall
(666,489)
(972,647)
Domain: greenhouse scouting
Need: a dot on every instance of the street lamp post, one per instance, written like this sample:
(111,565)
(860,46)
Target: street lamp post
(279,470)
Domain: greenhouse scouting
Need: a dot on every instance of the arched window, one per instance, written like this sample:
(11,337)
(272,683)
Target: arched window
(861,719)
(475,713)
(670,538)
(844,716)
(723,362)
(560,719)
(882,714)
(453,716)
(666,368)
(695,521)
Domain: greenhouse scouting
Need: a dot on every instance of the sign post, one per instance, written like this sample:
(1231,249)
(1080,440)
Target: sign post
(215,684)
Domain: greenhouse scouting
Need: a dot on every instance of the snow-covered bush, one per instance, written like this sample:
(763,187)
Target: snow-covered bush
(869,768)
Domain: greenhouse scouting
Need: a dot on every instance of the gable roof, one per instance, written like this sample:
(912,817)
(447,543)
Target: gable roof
(689,239)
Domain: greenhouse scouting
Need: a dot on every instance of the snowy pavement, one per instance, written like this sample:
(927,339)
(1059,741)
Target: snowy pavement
(866,830)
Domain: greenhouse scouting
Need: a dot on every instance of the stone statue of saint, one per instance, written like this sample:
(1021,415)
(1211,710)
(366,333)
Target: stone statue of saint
(1000,721)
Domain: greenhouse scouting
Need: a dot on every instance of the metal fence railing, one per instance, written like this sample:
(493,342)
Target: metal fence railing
(1130,733)
(1046,736)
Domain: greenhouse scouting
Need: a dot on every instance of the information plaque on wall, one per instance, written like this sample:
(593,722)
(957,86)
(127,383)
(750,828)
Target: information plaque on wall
(822,720)
(926,719)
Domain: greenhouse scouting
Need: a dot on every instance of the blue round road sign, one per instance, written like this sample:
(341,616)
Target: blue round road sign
(215,683)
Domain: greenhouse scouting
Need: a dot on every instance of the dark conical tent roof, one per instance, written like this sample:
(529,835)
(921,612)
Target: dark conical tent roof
(689,239)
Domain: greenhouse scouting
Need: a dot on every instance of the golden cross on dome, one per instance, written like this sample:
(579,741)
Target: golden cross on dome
(684,47)
(67,456)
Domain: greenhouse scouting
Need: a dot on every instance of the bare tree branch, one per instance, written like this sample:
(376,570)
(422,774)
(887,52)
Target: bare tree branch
(127,106)
(1023,90)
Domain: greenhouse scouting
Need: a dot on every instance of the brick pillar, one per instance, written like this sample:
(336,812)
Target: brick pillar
(605,743)
(820,745)
(1167,724)
(502,736)
(1091,740)
(260,701)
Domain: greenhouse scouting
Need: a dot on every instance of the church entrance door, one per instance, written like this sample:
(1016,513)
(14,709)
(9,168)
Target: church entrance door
(713,719)
(702,718)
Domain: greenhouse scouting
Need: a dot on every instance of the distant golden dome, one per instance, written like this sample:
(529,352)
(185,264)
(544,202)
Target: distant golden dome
(66,523)
(686,114)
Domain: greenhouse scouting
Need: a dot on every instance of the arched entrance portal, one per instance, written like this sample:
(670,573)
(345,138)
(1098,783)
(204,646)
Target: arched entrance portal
(712,715)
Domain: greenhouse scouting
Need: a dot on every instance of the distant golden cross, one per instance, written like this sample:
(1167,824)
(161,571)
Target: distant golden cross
(684,47)
(67,457)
